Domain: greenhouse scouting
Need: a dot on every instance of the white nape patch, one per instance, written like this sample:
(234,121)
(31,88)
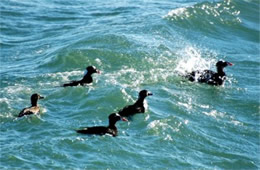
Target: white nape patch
(145,105)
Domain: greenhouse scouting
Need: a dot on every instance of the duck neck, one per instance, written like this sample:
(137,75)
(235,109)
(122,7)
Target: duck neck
(88,74)
(112,124)
(34,103)
(87,78)
(221,71)
(140,101)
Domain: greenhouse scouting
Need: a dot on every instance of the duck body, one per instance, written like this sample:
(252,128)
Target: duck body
(87,78)
(111,129)
(34,109)
(99,130)
(29,111)
(208,76)
(140,106)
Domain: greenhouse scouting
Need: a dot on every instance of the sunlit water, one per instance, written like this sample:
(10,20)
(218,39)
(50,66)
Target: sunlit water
(137,45)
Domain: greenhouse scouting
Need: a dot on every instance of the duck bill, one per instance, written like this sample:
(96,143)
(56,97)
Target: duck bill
(124,119)
(98,71)
(41,97)
(150,94)
(230,64)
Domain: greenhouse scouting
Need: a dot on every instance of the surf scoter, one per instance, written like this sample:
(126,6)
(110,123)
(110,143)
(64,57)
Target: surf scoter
(138,107)
(34,109)
(86,79)
(210,77)
(102,130)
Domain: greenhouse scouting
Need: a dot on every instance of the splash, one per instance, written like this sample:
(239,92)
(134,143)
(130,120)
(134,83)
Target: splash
(191,60)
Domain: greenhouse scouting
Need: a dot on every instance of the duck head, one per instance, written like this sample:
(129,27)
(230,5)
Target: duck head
(144,93)
(92,69)
(222,64)
(34,98)
(114,117)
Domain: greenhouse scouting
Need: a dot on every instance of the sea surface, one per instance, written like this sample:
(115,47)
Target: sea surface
(137,44)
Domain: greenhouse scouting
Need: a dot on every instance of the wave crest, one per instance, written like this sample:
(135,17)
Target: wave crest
(221,13)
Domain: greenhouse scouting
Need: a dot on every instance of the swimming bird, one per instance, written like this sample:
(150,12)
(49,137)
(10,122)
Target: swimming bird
(87,79)
(34,109)
(210,77)
(140,106)
(102,130)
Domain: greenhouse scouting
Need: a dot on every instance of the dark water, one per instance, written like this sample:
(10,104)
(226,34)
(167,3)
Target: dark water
(137,45)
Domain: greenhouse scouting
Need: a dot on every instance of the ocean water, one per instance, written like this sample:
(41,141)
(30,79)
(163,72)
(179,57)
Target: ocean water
(137,45)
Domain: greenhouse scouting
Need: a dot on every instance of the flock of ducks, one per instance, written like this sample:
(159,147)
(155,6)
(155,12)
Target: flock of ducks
(206,76)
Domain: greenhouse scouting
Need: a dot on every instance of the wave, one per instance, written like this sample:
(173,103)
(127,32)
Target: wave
(218,18)
(206,14)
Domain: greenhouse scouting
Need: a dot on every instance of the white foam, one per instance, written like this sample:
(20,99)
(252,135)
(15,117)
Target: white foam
(64,75)
(127,97)
(80,139)
(186,122)
(168,137)
(175,12)
(98,61)
(191,60)
(6,115)
(156,124)
(16,89)
(235,122)
(123,76)
(214,113)
(223,11)
(204,106)
(185,105)
(4,100)
(43,110)
(10,95)
(147,117)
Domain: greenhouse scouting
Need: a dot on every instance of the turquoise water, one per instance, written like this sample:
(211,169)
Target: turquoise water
(137,45)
